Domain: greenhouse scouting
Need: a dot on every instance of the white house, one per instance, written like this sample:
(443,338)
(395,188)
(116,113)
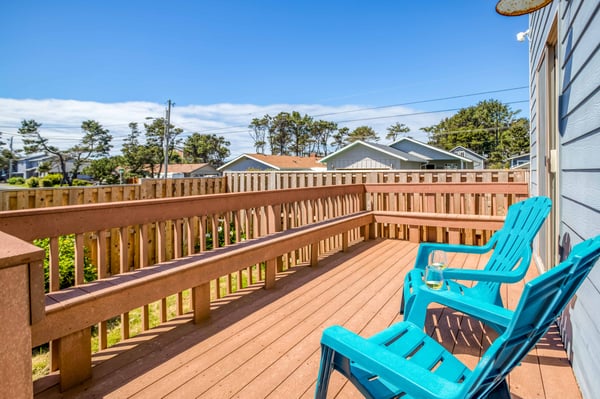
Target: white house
(405,153)
(478,159)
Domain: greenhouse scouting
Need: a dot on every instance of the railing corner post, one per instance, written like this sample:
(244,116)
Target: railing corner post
(453,235)
(414,233)
(21,305)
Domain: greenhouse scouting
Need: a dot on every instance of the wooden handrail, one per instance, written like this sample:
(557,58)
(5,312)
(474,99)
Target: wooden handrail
(517,188)
(63,220)
(76,308)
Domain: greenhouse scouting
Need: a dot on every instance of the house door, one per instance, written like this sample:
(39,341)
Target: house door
(547,138)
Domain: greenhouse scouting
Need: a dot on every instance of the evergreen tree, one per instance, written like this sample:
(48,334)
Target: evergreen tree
(489,128)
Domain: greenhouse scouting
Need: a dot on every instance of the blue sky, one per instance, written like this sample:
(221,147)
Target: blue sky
(225,62)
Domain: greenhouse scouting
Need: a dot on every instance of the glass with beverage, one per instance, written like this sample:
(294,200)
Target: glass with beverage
(434,276)
(438,258)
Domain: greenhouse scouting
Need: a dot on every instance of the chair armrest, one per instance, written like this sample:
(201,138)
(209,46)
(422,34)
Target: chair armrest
(484,311)
(426,248)
(512,276)
(523,259)
(413,379)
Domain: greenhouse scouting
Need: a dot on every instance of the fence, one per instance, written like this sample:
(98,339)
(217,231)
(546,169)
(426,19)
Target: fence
(273,180)
(147,189)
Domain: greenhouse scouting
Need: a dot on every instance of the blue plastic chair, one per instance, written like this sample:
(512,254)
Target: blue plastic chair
(508,262)
(403,361)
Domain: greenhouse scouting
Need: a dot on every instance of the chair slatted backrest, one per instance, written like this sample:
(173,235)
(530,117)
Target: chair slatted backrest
(542,301)
(512,249)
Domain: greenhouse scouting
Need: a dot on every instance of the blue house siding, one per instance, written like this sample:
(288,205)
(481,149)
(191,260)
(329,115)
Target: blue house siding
(361,157)
(434,156)
(245,164)
(578,48)
(478,160)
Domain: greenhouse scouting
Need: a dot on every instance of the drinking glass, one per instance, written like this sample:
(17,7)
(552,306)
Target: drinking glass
(434,276)
(438,258)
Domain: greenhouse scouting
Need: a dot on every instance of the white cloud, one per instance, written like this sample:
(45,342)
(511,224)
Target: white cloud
(61,119)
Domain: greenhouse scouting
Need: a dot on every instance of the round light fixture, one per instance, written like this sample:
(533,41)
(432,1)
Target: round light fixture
(513,8)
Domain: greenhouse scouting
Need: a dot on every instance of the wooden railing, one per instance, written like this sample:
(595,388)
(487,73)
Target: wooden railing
(262,233)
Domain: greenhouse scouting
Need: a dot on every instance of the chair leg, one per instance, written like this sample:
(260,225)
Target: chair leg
(325,370)
(402,304)
(417,309)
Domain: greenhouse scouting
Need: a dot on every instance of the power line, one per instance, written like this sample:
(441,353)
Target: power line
(427,101)
(416,113)
(320,115)
(396,105)
(341,121)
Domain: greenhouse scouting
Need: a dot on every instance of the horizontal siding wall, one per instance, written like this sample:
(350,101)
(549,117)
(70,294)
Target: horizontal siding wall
(579,141)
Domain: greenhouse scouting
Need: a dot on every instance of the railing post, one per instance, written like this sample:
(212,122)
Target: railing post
(75,358)
(201,302)
(273,225)
(21,305)
(314,254)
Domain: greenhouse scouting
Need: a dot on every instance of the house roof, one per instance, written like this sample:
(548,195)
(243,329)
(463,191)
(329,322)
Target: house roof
(444,155)
(403,156)
(182,167)
(461,148)
(187,167)
(280,162)
(524,165)
(520,156)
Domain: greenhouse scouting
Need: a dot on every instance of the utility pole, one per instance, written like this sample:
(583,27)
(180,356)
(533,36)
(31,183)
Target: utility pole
(166,138)
(11,158)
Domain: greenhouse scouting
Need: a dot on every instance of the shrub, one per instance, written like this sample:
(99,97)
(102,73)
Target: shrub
(66,267)
(46,183)
(80,182)
(16,180)
(33,182)
(55,178)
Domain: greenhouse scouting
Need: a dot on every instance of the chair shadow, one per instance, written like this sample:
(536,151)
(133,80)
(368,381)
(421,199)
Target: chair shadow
(462,334)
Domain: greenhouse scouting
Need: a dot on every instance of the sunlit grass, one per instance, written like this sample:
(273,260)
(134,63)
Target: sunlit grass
(41,355)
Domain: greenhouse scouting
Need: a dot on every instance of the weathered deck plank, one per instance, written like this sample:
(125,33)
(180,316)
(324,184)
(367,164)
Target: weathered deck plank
(266,343)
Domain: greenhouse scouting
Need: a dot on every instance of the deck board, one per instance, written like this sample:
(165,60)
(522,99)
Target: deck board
(266,342)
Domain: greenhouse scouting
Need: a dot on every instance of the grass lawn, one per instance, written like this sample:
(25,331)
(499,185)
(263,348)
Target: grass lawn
(41,355)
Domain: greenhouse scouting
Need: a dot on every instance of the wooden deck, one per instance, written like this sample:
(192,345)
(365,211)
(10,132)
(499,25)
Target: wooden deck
(266,342)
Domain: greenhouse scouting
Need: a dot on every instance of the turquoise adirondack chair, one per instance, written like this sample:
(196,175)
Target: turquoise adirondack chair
(508,262)
(403,361)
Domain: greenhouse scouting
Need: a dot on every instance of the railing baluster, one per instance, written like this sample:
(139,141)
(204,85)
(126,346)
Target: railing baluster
(79,259)
(124,267)
(53,260)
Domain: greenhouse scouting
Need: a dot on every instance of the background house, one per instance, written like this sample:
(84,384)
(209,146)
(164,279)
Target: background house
(191,170)
(29,166)
(518,161)
(564,59)
(371,156)
(246,162)
(405,153)
(478,160)
(432,157)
